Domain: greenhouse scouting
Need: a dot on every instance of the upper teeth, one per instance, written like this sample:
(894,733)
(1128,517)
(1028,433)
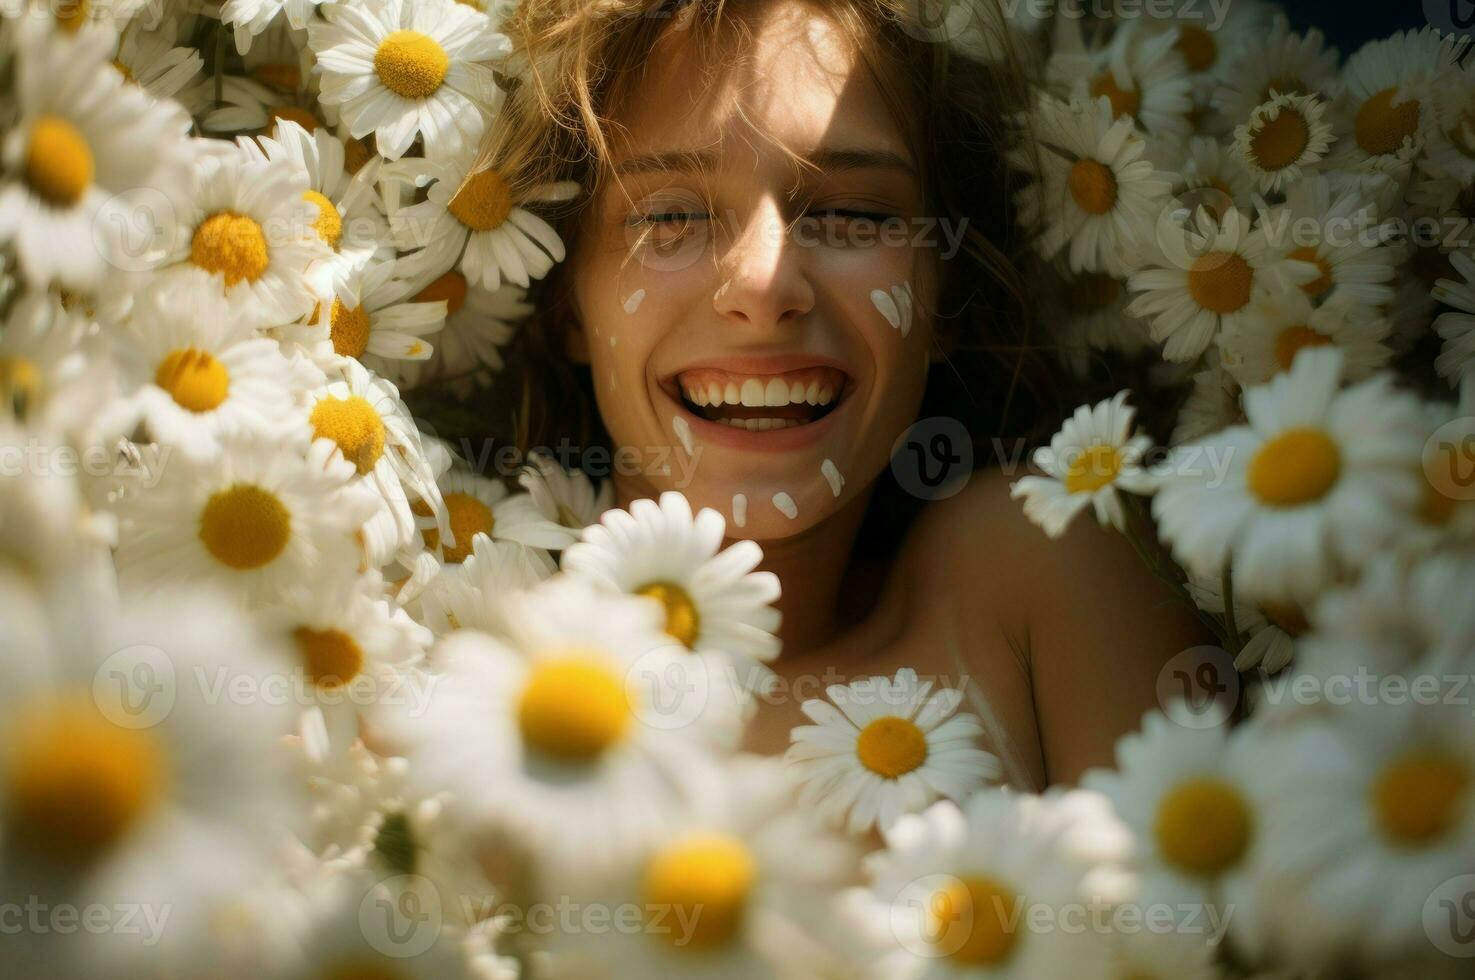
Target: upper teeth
(757,393)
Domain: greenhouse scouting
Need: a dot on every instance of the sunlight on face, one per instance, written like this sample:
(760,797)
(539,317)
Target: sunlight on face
(768,316)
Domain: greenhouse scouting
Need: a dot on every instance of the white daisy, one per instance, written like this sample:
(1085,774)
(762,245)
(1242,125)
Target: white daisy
(584,707)
(712,599)
(1204,275)
(1446,515)
(1267,633)
(1206,48)
(1280,62)
(946,893)
(127,778)
(350,220)
(892,746)
(86,157)
(1204,172)
(1093,318)
(1370,810)
(738,889)
(1099,193)
(200,374)
(1092,457)
(567,496)
(1283,139)
(1316,480)
(249,18)
(1456,328)
(364,419)
(55,375)
(383,327)
(151,58)
(1386,109)
(247,105)
(1212,404)
(253,232)
(469,222)
(1265,342)
(265,518)
(479,322)
(478,505)
(1142,74)
(401,70)
(468,595)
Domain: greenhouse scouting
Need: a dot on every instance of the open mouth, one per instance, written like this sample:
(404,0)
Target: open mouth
(761,403)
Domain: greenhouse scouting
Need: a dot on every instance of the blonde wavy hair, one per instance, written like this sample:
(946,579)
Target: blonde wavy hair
(577,62)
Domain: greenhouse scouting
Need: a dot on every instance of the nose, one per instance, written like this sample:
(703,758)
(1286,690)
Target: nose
(764,282)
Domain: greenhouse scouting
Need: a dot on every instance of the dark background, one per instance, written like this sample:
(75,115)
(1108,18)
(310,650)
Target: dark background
(1349,24)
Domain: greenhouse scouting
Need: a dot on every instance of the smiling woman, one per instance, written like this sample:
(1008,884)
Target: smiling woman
(796,240)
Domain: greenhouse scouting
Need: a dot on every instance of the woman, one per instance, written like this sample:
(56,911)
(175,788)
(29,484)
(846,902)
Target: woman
(796,242)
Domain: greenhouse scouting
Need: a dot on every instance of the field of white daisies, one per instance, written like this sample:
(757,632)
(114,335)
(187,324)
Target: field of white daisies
(287,690)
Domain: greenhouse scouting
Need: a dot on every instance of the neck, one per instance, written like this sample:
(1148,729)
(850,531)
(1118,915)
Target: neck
(810,566)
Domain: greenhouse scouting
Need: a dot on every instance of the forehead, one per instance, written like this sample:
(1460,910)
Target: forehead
(797,81)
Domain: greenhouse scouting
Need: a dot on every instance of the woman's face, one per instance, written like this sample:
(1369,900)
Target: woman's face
(768,335)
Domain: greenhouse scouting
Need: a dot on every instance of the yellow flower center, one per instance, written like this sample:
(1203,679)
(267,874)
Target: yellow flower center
(467,516)
(354,425)
(75,783)
(1293,468)
(280,75)
(291,113)
(1197,46)
(232,244)
(1124,101)
(450,287)
(59,162)
(329,223)
(1293,339)
(482,202)
(1220,282)
(573,707)
(704,880)
(1312,254)
(1203,826)
(1381,127)
(245,527)
(124,70)
(410,64)
(1092,186)
(1093,469)
(194,379)
(981,909)
(1279,142)
(71,14)
(682,620)
(1418,798)
(349,329)
(891,747)
(20,385)
(331,657)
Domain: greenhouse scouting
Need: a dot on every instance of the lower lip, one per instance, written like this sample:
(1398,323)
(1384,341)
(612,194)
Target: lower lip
(773,441)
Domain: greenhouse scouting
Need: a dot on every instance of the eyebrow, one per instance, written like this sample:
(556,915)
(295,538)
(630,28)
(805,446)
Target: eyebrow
(829,159)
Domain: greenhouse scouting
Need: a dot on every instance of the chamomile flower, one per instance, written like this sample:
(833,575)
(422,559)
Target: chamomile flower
(349,650)
(201,375)
(712,599)
(1283,62)
(479,322)
(567,496)
(1092,317)
(149,789)
(384,326)
(468,595)
(469,222)
(400,70)
(944,893)
(364,419)
(1267,634)
(885,747)
(252,231)
(1283,139)
(1339,229)
(1204,275)
(246,104)
(740,888)
(266,517)
(1211,175)
(1142,74)
(1456,360)
(1265,343)
(1099,195)
(248,18)
(1387,104)
(478,505)
(1368,813)
(154,61)
(1213,403)
(55,375)
(1183,793)
(84,155)
(583,707)
(1311,485)
(1092,456)
(350,221)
